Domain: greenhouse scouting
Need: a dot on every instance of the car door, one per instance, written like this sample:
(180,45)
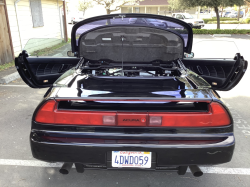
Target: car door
(218,61)
(42,71)
(221,74)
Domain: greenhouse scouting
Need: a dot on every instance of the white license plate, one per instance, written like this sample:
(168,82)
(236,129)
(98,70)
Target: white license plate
(131,159)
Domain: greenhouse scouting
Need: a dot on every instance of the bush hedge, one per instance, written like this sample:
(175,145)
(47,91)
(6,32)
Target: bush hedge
(221,31)
(221,19)
(225,22)
(247,20)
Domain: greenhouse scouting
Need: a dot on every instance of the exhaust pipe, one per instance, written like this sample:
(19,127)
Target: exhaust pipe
(196,171)
(66,168)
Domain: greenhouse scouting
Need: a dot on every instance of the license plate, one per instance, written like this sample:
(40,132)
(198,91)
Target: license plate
(131,159)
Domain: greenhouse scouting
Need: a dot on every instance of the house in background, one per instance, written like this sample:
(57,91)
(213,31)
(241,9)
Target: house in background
(29,19)
(159,7)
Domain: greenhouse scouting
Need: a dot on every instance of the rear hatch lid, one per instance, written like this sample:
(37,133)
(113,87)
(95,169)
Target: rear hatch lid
(104,32)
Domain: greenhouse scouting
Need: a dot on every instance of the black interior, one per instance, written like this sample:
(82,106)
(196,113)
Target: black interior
(221,74)
(50,68)
(40,72)
(129,84)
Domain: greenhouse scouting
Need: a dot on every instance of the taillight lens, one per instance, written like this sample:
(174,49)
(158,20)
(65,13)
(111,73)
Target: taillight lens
(216,116)
(46,113)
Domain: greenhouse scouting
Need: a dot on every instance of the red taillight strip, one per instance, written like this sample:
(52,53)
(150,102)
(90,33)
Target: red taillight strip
(216,116)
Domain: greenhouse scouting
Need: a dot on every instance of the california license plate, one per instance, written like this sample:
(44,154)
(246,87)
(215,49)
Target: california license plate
(131,159)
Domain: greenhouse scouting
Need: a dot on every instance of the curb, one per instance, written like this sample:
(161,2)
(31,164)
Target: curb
(9,78)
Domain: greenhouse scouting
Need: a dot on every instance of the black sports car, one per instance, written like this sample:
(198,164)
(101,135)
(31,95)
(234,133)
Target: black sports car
(129,100)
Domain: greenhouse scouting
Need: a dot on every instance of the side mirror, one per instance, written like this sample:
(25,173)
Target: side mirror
(70,54)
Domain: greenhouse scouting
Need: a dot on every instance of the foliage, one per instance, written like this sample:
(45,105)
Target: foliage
(246,21)
(176,5)
(225,22)
(221,31)
(83,5)
(213,3)
(222,19)
(7,65)
(115,5)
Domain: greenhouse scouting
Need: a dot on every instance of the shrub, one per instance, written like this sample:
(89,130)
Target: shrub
(246,21)
(221,31)
(221,19)
(225,22)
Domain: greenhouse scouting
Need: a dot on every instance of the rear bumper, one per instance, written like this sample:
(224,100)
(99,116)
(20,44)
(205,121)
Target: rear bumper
(99,155)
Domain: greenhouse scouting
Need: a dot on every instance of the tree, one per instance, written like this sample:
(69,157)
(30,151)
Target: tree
(83,5)
(247,4)
(115,5)
(215,4)
(176,5)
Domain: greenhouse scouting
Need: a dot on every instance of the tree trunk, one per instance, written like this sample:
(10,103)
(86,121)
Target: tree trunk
(108,20)
(218,17)
(108,11)
(199,10)
(238,17)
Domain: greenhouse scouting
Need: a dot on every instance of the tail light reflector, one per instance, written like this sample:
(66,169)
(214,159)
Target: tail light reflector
(216,116)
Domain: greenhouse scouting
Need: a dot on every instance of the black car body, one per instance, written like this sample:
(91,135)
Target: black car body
(130,89)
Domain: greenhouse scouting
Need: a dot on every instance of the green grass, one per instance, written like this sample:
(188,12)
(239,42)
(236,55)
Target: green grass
(48,50)
(7,65)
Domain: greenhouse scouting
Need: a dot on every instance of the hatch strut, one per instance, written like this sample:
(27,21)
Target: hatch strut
(122,39)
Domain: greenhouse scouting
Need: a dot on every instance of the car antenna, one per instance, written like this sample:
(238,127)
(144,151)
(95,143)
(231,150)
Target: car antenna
(122,39)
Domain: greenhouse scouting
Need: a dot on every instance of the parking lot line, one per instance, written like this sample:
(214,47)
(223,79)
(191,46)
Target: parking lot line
(14,86)
(34,163)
